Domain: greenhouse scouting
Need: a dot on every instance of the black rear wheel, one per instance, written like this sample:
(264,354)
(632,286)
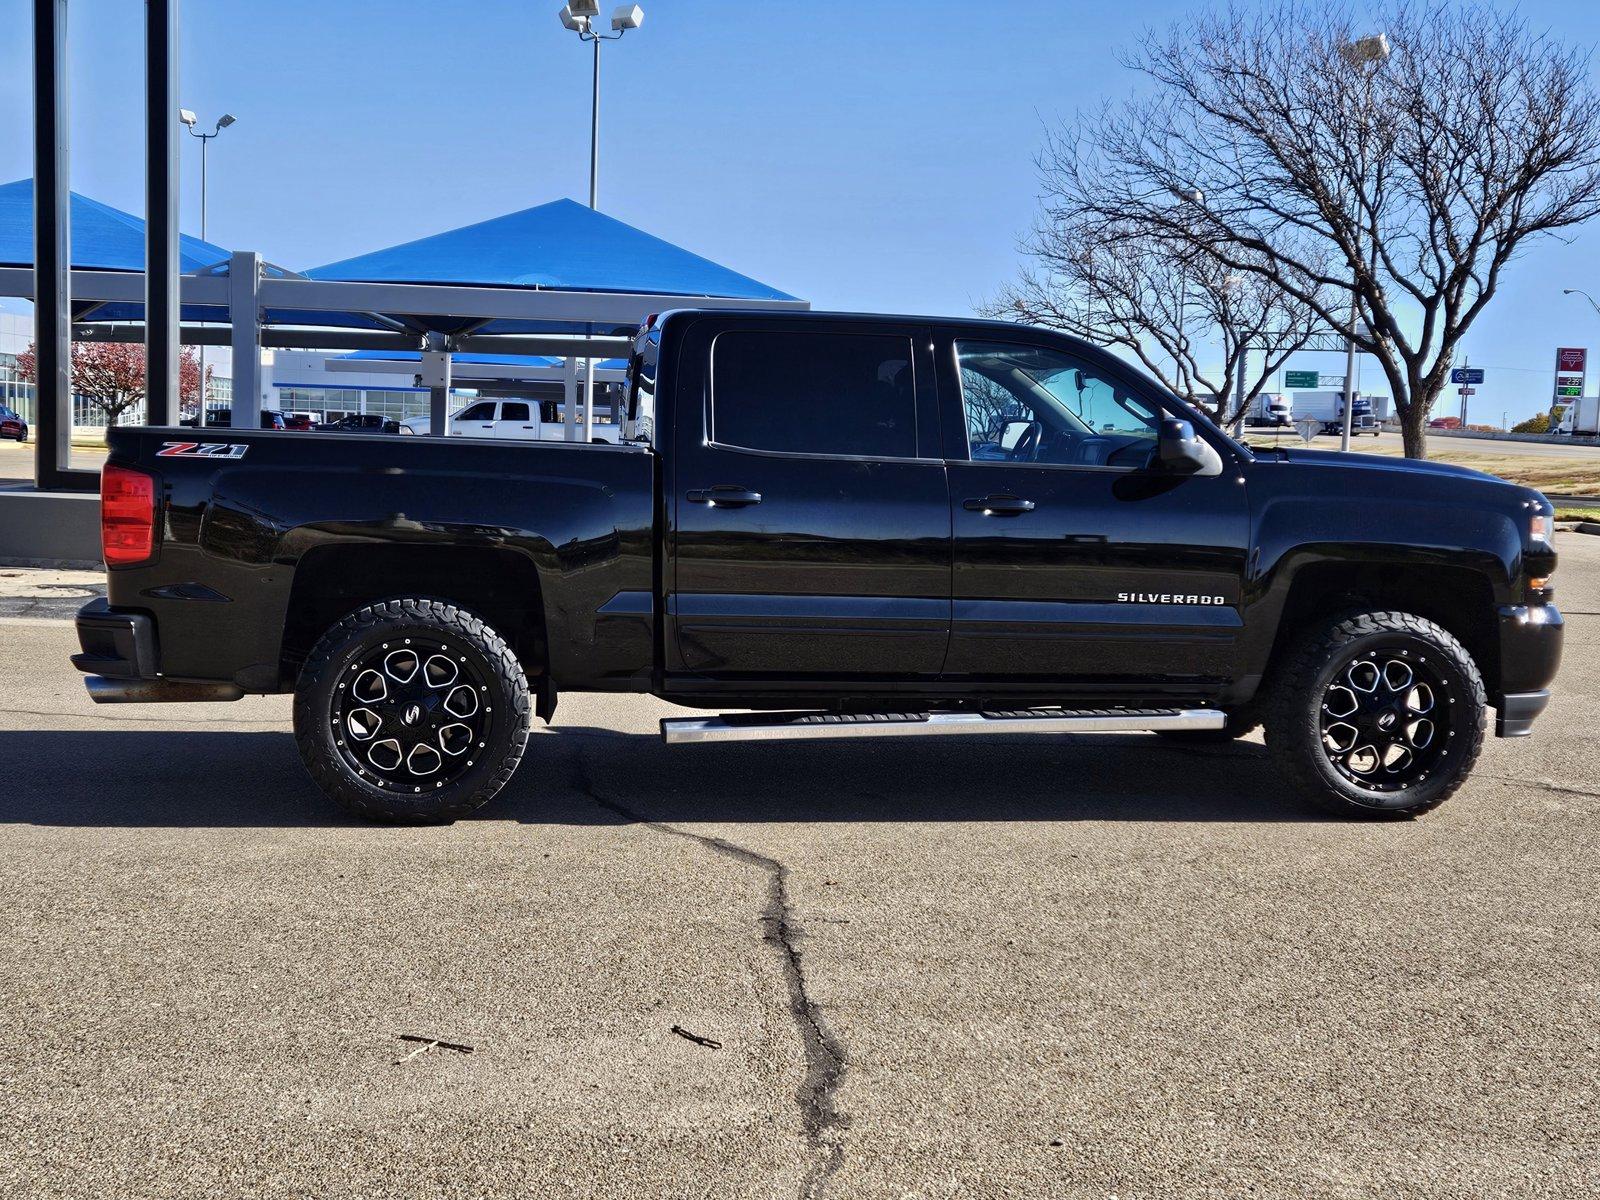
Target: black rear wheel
(411,710)
(1377,714)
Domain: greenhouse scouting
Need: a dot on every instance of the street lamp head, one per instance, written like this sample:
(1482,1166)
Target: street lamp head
(585,8)
(225,120)
(627,16)
(575,23)
(1569,291)
(1372,49)
(187,117)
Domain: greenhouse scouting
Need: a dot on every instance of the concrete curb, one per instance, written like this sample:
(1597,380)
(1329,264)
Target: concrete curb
(1587,527)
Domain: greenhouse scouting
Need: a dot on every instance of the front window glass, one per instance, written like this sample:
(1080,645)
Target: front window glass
(1029,404)
(478,412)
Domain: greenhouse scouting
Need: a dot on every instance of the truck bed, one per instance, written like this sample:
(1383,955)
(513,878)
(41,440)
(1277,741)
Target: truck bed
(253,532)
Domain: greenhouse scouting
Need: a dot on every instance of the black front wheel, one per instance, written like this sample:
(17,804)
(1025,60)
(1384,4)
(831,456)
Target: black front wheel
(411,710)
(1377,714)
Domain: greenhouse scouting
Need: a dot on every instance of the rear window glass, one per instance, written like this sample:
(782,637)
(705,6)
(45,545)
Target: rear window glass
(814,393)
(512,410)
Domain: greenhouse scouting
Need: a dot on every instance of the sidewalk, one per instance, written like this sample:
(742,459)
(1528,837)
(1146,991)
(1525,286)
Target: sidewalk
(47,591)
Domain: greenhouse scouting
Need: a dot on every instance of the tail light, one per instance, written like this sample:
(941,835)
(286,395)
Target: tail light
(127,515)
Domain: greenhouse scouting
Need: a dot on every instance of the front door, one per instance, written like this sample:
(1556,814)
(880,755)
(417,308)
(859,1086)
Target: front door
(811,523)
(1076,558)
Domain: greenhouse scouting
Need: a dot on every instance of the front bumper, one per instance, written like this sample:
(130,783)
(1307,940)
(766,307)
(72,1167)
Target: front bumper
(1530,654)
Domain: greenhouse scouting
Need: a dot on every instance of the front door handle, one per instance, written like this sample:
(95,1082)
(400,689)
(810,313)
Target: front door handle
(725,495)
(998,506)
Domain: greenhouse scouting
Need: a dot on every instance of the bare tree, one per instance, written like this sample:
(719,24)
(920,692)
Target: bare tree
(1150,295)
(1392,187)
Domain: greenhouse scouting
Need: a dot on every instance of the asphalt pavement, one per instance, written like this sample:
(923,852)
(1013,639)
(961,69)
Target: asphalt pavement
(984,967)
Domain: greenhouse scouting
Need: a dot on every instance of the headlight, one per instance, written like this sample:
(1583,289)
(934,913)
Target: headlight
(1539,527)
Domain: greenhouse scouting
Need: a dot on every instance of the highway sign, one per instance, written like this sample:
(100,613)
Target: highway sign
(1466,375)
(1300,380)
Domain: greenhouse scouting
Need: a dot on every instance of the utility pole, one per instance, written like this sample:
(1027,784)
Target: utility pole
(190,120)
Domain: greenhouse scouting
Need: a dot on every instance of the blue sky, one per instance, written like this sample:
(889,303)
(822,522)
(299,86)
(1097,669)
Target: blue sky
(864,156)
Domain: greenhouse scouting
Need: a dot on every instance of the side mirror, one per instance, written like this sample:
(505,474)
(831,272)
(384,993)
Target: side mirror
(1181,451)
(1011,433)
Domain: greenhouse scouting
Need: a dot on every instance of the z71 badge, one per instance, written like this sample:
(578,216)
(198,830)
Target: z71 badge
(202,450)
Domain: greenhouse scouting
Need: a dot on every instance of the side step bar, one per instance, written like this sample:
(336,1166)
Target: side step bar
(766,727)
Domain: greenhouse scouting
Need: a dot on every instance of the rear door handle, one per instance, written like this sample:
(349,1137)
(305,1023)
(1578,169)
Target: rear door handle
(725,495)
(998,506)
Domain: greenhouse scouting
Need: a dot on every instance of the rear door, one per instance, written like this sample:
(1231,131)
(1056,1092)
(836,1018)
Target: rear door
(516,421)
(1076,560)
(810,533)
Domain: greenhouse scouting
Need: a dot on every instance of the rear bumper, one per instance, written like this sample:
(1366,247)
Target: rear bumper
(1530,655)
(116,644)
(121,661)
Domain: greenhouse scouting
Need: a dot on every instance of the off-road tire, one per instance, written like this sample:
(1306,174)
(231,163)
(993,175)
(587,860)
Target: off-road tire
(1294,709)
(1240,724)
(391,622)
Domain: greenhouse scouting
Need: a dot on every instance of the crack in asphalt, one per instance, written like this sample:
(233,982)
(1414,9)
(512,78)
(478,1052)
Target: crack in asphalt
(1543,785)
(824,1055)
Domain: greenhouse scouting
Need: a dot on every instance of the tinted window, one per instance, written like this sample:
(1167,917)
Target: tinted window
(512,410)
(478,412)
(814,393)
(1035,405)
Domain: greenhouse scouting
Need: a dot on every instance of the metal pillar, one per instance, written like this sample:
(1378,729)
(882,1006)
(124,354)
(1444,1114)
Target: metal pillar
(569,396)
(162,360)
(244,314)
(1350,372)
(588,400)
(52,254)
(436,378)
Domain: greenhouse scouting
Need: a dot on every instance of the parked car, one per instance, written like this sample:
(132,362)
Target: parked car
(517,420)
(222,418)
(362,423)
(12,425)
(800,524)
(295,420)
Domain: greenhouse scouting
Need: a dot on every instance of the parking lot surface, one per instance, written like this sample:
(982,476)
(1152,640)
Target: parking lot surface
(984,967)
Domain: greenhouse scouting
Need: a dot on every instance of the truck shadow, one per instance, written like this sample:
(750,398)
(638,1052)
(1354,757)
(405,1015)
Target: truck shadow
(582,776)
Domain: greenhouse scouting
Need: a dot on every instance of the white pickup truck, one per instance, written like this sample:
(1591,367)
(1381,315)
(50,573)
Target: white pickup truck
(517,420)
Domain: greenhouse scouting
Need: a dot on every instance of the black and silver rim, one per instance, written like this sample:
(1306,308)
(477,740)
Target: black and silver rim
(411,715)
(1386,719)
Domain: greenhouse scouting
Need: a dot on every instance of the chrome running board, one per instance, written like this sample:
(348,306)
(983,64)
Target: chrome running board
(791,726)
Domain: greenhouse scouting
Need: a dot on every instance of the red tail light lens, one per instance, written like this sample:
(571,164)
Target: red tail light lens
(127,515)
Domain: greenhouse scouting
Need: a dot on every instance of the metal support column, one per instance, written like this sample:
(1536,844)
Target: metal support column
(52,242)
(162,360)
(569,399)
(436,378)
(588,400)
(52,254)
(244,314)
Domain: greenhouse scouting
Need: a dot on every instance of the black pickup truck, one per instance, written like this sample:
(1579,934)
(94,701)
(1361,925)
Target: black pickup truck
(854,526)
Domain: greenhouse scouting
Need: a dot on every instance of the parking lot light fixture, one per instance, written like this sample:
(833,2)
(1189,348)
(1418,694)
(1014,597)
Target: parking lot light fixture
(577,16)
(1584,294)
(1371,49)
(187,117)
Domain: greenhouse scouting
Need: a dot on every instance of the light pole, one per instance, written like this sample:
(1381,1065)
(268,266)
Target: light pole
(1584,294)
(578,16)
(189,120)
(1361,53)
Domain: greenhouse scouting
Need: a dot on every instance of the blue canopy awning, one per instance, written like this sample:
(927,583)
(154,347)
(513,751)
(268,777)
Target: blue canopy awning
(561,245)
(103,238)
